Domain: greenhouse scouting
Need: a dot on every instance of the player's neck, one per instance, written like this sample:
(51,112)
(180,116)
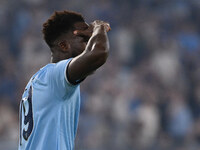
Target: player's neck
(55,59)
(58,56)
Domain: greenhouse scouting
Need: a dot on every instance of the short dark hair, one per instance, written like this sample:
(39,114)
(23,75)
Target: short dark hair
(59,22)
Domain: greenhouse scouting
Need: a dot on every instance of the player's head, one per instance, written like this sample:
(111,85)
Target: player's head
(58,33)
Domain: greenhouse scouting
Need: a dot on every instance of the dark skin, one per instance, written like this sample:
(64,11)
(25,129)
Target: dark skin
(87,44)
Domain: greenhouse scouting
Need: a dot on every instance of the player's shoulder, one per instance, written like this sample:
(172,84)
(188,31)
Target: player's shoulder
(52,70)
(58,64)
(45,69)
(40,77)
(43,73)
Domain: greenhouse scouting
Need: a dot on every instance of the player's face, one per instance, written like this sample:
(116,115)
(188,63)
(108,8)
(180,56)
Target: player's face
(81,34)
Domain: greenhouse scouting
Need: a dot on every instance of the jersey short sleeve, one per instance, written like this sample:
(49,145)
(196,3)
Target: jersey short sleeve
(58,78)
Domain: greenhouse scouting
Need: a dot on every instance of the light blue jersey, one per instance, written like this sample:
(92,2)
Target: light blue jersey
(49,110)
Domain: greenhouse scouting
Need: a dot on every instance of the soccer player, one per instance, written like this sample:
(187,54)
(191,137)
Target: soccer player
(50,105)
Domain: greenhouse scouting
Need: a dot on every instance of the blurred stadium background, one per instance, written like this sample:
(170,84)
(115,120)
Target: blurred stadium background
(146,97)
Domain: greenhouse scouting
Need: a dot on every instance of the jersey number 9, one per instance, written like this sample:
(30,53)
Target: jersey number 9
(26,107)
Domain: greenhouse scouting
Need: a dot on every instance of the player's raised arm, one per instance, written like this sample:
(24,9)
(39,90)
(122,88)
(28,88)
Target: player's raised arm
(94,55)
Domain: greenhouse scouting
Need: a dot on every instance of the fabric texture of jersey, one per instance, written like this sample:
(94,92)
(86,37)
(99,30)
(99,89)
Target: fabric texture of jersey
(49,110)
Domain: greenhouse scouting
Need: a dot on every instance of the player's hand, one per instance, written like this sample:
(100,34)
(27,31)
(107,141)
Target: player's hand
(87,33)
(97,23)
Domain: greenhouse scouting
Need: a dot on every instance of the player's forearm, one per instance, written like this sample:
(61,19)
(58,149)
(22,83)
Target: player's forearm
(94,56)
(98,46)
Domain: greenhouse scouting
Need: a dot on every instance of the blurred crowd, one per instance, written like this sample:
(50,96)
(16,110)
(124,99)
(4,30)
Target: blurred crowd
(147,95)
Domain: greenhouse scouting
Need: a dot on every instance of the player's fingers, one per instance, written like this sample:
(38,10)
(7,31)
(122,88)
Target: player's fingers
(82,33)
(78,32)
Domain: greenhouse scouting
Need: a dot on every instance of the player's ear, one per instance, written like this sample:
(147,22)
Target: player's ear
(64,45)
